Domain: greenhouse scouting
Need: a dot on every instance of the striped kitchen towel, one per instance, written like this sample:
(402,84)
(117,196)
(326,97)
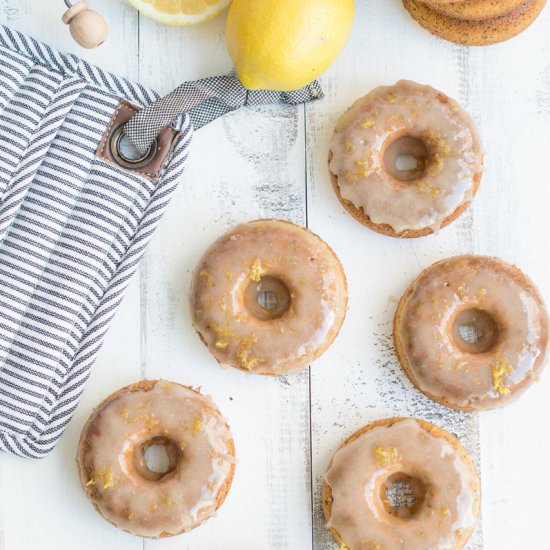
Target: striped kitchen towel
(73,227)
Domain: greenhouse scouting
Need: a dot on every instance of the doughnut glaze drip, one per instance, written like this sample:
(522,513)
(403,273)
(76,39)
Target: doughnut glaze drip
(419,122)
(114,473)
(472,332)
(295,271)
(445,481)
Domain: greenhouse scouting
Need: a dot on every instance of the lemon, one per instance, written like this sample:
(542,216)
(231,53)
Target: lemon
(285,44)
(180,12)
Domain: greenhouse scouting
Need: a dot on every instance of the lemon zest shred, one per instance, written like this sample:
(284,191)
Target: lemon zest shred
(207,278)
(106,478)
(168,501)
(386,455)
(500,371)
(224,336)
(482,292)
(152,422)
(197,426)
(244,352)
(256,270)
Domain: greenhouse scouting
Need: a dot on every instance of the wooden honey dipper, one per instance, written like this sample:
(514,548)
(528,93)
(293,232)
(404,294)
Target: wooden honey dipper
(87,27)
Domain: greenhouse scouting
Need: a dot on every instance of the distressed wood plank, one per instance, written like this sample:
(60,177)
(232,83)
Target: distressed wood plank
(246,166)
(506,216)
(41,502)
(369,383)
(511,89)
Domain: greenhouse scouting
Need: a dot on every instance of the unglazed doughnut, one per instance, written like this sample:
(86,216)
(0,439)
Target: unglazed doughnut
(471,332)
(396,122)
(475,10)
(437,3)
(268,297)
(401,483)
(483,32)
(114,471)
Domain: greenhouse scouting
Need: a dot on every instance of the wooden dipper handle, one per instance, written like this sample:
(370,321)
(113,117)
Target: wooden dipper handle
(87,27)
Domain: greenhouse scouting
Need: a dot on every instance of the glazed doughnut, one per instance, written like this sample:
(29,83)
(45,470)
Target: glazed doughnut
(268,297)
(114,471)
(482,32)
(475,10)
(401,483)
(471,332)
(396,122)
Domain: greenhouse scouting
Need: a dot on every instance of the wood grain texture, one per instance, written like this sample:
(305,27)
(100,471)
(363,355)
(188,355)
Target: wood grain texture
(368,382)
(271,161)
(246,166)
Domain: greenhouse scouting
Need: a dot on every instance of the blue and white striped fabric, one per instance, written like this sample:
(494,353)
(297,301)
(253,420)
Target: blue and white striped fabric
(72,230)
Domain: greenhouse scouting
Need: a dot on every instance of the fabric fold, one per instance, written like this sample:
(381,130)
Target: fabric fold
(72,231)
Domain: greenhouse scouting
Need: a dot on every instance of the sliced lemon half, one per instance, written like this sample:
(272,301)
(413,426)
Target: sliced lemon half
(180,12)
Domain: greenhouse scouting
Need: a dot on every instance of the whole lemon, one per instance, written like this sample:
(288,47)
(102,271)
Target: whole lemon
(285,44)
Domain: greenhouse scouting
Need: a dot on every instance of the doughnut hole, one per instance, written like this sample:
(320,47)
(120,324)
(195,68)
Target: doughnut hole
(157,458)
(406,158)
(403,495)
(475,331)
(267,299)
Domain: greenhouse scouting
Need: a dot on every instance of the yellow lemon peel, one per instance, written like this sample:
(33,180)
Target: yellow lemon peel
(284,45)
(180,12)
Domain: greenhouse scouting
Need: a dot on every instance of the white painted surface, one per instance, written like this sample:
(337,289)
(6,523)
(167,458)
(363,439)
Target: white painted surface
(272,162)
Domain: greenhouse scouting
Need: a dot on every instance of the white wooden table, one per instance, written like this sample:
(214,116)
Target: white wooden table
(272,162)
